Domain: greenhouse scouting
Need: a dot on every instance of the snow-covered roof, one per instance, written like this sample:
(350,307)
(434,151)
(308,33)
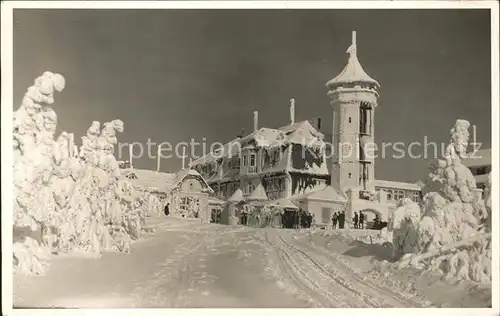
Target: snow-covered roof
(160,181)
(229,175)
(215,200)
(302,133)
(283,203)
(229,149)
(263,136)
(353,72)
(236,197)
(183,173)
(149,179)
(481,158)
(258,194)
(328,193)
(397,185)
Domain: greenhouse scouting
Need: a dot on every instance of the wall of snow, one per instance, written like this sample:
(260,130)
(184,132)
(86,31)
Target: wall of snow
(67,198)
(449,215)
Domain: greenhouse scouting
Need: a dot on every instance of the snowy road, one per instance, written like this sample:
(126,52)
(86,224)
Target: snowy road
(188,264)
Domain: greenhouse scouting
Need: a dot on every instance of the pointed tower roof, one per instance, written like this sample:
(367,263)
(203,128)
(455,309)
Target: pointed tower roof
(259,194)
(237,196)
(353,72)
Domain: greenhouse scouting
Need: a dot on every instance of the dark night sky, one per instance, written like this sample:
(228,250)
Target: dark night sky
(175,74)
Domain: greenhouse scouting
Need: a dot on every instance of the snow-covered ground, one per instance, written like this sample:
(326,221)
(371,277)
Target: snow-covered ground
(189,264)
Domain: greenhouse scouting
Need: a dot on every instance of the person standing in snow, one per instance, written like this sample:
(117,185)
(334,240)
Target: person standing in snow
(334,220)
(356,219)
(361,220)
(341,220)
(167,210)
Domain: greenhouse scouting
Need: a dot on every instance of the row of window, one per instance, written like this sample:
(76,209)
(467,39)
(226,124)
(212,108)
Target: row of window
(249,160)
(396,194)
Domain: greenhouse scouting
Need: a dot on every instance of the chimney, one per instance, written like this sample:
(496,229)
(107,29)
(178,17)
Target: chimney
(255,120)
(183,157)
(318,123)
(292,111)
(131,155)
(158,159)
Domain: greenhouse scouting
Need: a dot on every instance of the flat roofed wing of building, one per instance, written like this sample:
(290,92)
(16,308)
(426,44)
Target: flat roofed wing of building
(480,158)
(397,185)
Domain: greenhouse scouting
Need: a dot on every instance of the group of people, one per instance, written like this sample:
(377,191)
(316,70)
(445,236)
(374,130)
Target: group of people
(297,220)
(359,220)
(338,219)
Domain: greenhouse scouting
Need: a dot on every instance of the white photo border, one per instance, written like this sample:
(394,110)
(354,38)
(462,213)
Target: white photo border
(7,154)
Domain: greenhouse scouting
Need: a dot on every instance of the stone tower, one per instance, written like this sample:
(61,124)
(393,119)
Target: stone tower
(353,95)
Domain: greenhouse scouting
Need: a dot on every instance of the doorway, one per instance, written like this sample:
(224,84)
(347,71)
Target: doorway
(216,216)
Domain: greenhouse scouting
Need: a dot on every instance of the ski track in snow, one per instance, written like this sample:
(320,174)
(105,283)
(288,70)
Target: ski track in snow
(331,283)
(201,266)
(178,276)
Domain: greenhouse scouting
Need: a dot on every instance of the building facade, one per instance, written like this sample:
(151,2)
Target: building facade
(290,161)
(286,161)
(186,192)
(480,166)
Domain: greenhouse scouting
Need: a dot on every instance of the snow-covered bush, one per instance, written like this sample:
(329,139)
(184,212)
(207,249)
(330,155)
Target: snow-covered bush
(404,226)
(451,214)
(68,199)
(34,206)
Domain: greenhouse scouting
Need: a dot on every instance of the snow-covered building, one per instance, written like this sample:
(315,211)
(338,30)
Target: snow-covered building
(480,166)
(290,162)
(186,191)
(354,98)
(285,161)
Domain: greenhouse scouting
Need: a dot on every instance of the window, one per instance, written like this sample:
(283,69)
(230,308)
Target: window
(389,195)
(350,174)
(185,203)
(248,189)
(395,195)
(252,160)
(245,161)
(235,163)
(416,196)
(252,163)
(349,119)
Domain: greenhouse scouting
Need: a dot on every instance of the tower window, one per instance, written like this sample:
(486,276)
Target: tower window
(350,174)
(349,119)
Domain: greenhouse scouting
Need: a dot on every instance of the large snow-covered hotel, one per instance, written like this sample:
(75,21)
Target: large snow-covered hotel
(289,162)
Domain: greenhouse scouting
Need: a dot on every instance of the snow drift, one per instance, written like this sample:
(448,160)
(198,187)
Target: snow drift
(68,199)
(449,231)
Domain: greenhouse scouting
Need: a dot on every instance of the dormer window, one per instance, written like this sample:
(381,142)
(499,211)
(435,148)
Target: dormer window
(252,160)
